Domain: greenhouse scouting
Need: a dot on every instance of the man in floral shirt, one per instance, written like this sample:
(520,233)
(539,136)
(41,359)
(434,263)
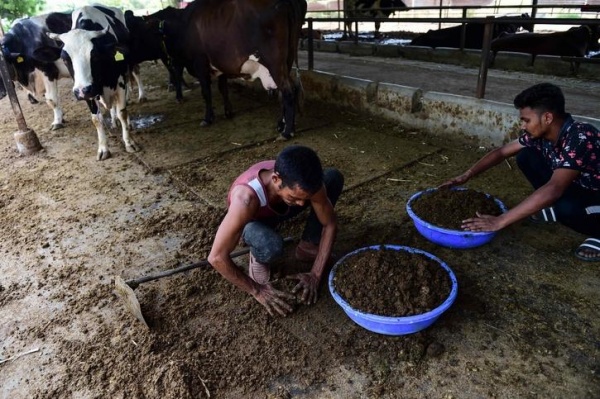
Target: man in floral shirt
(561,159)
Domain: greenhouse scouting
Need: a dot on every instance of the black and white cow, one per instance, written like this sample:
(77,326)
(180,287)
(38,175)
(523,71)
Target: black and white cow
(370,9)
(20,47)
(95,51)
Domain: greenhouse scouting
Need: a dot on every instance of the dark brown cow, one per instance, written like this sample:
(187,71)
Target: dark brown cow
(450,37)
(248,39)
(575,42)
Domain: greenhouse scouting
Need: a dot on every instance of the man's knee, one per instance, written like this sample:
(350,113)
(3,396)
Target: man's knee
(268,252)
(334,182)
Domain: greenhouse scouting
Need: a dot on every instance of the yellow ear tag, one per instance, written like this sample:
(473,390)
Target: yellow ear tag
(119,56)
(19,59)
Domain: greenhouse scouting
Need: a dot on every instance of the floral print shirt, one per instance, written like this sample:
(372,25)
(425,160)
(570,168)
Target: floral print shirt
(578,147)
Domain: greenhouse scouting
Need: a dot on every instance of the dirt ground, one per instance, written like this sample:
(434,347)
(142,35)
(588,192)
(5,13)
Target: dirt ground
(524,324)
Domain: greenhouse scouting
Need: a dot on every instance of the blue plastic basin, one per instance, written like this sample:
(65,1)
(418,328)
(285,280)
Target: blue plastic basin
(393,325)
(450,238)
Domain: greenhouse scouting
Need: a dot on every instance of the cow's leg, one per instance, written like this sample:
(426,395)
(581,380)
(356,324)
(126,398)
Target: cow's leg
(52,99)
(347,30)
(120,110)
(201,66)
(175,78)
(135,71)
(97,120)
(223,89)
(286,126)
(492,58)
(532,59)
(32,99)
(377,26)
(113,117)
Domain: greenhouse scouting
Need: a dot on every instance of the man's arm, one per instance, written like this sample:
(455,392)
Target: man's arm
(326,215)
(488,161)
(241,210)
(539,199)
(542,197)
(324,211)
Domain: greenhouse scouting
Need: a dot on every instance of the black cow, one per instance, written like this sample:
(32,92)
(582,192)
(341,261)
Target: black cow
(450,37)
(95,51)
(575,42)
(149,40)
(19,47)
(243,39)
(369,9)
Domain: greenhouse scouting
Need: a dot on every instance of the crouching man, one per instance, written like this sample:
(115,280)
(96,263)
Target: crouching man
(262,197)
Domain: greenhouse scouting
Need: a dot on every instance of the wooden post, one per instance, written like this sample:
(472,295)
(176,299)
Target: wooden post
(463,31)
(485,56)
(26,139)
(534,4)
(311,47)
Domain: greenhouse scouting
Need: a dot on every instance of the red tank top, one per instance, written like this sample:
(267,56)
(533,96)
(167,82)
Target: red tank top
(251,179)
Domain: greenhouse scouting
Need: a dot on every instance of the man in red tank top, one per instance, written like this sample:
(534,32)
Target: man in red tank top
(266,194)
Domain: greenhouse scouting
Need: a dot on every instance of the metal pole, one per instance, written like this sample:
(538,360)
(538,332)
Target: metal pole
(311,51)
(485,56)
(440,21)
(463,30)
(534,4)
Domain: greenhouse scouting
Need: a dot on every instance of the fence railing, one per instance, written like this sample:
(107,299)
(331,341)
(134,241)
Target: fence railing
(555,10)
(488,22)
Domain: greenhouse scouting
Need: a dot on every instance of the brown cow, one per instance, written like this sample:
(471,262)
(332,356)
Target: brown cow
(575,42)
(248,39)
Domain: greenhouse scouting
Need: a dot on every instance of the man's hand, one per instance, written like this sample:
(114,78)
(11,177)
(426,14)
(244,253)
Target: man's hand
(458,180)
(308,283)
(482,223)
(274,300)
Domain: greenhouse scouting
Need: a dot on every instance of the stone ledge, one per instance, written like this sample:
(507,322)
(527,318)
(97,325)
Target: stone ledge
(491,123)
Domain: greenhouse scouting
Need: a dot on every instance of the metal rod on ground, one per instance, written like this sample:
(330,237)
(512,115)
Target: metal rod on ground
(134,283)
(124,289)
(26,139)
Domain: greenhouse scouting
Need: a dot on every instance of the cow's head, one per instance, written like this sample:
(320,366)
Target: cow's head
(90,56)
(504,28)
(593,44)
(527,24)
(18,64)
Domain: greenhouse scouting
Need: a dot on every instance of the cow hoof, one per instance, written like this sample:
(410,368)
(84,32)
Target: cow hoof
(56,126)
(103,155)
(280,127)
(142,100)
(284,137)
(205,123)
(229,115)
(32,99)
(132,147)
